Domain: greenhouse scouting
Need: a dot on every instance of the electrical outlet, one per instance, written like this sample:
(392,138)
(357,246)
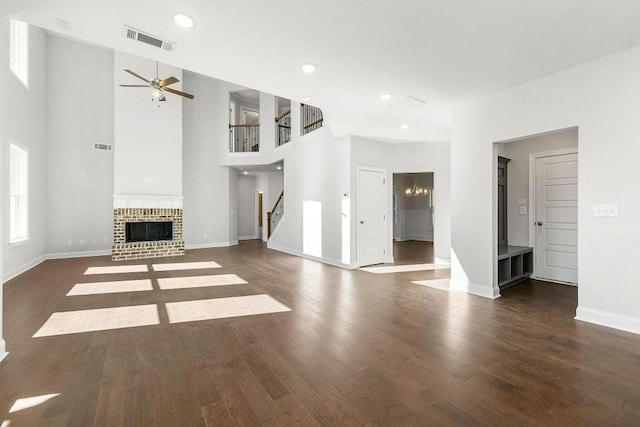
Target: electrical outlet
(523,210)
(204,236)
(93,241)
(105,241)
(82,241)
(69,242)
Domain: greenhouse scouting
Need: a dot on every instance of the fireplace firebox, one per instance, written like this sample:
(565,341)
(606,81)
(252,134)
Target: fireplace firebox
(148,231)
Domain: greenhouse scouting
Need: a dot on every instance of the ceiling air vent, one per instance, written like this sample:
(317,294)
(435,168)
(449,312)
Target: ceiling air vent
(409,103)
(137,35)
(103,147)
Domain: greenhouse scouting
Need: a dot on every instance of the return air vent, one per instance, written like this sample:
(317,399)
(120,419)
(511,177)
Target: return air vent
(133,34)
(409,103)
(103,147)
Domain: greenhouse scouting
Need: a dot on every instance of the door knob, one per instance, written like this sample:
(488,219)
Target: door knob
(539,223)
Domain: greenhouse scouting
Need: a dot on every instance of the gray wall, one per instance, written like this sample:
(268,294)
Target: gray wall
(79,113)
(206,185)
(23,112)
(518,177)
(246,206)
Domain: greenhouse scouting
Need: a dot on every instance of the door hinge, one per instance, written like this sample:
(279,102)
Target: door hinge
(384,181)
(384,252)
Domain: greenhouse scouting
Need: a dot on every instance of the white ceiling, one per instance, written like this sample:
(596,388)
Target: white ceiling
(442,52)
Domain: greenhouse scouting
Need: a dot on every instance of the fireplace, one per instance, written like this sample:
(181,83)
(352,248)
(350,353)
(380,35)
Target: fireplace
(146,232)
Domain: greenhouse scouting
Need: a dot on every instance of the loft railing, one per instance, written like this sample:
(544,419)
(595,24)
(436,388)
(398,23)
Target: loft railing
(244,138)
(310,119)
(283,128)
(274,217)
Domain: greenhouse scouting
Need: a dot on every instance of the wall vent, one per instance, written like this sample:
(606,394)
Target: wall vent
(103,147)
(137,35)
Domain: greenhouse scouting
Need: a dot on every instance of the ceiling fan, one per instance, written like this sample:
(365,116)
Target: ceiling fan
(158,87)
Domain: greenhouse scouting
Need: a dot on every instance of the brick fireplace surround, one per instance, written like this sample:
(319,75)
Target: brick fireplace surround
(146,209)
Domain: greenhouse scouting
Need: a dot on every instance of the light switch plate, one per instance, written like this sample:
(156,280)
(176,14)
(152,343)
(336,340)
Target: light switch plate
(605,209)
(522,201)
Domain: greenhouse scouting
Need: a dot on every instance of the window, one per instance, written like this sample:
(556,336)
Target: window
(19,61)
(18,214)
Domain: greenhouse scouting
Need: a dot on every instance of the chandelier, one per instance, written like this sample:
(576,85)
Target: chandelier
(416,190)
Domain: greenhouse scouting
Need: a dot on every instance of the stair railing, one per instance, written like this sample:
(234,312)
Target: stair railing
(283,128)
(244,138)
(311,118)
(274,217)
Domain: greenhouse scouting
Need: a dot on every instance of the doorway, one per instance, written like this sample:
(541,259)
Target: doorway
(371,215)
(413,218)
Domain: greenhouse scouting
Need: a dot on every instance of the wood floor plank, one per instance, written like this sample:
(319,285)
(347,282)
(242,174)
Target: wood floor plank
(355,349)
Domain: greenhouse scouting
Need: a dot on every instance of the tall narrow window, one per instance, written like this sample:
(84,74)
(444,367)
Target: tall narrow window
(18,194)
(19,56)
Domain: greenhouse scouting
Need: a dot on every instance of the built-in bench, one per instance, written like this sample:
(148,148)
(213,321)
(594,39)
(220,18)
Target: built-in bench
(515,264)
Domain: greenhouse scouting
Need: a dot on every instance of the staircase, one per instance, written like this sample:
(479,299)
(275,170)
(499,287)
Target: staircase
(274,217)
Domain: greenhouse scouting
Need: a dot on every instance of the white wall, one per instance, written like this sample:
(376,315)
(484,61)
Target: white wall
(79,179)
(246,207)
(601,98)
(148,138)
(23,113)
(206,185)
(518,177)
(409,158)
(317,169)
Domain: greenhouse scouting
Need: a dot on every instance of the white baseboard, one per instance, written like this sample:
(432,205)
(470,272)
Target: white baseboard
(3,350)
(61,255)
(608,319)
(247,237)
(210,245)
(25,267)
(329,261)
(472,288)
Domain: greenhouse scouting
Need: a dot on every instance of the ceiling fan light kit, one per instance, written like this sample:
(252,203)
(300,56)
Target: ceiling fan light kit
(158,87)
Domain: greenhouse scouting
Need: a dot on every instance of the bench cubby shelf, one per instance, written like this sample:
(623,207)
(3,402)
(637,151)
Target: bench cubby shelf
(515,263)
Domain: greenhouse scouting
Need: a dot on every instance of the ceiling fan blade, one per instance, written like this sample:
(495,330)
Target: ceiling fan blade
(134,85)
(177,92)
(168,81)
(137,75)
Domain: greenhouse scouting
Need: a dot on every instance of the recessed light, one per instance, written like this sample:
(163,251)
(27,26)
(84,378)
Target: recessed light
(386,96)
(245,172)
(308,68)
(184,20)
(405,126)
(279,167)
(305,99)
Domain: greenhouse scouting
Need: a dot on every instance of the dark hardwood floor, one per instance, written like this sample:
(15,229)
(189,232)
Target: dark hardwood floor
(412,252)
(356,349)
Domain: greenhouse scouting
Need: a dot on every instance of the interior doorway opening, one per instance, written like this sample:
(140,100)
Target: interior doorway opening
(413,218)
(539,209)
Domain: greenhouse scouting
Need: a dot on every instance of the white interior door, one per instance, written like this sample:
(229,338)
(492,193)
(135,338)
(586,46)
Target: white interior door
(556,219)
(372,216)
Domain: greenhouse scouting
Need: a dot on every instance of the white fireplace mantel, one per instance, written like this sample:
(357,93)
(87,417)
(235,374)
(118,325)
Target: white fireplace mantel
(132,201)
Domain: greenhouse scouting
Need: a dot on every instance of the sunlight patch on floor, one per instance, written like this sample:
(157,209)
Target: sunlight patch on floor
(221,308)
(30,402)
(141,268)
(404,268)
(185,266)
(442,284)
(111,287)
(200,281)
(101,319)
